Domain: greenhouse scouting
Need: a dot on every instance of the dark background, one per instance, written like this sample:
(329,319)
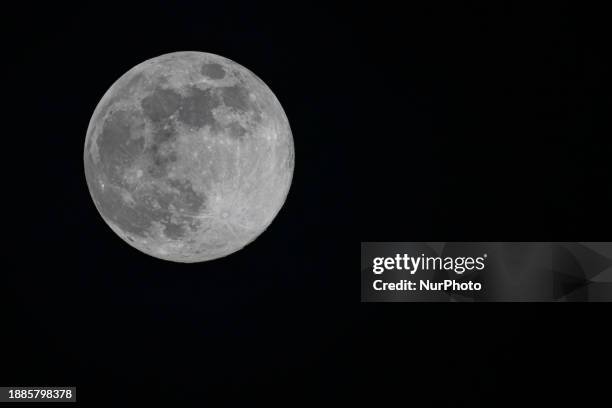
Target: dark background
(438,122)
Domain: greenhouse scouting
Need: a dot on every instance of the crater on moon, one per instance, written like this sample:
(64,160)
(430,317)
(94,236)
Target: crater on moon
(189,156)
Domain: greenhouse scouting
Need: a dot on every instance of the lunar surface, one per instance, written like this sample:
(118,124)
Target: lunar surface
(189,157)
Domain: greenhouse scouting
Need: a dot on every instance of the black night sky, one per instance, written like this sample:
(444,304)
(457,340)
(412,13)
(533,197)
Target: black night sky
(466,121)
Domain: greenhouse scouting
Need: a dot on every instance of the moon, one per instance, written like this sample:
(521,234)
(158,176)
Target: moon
(189,157)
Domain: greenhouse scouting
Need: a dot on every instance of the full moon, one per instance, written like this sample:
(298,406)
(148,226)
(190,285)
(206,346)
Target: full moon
(189,157)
